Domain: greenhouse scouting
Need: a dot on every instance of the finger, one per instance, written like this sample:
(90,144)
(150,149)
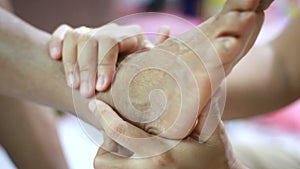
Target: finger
(69,59)
(56,41)
(163,33)
(132,39)
(108,50)
(234,23)
(135,43)
(87,61)
(125,134)
(247,37)
(232,48)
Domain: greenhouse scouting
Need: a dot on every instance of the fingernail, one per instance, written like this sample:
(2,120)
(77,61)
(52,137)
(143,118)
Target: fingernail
(84,88)
(71,80)
(92,105)
(54,52)
(101,83)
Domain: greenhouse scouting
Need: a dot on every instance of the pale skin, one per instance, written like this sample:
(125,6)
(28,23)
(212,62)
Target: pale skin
(23,146)
(108,160)
(29,135)
(81,63)
(14,33)
(37,40)
(37,46)
(277,72)
(279,86)
(28,131)
(215,153)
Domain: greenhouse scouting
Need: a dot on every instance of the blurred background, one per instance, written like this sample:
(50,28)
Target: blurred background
(280,128)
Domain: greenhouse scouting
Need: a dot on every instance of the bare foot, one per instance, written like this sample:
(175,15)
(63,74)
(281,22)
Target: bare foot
(164,89)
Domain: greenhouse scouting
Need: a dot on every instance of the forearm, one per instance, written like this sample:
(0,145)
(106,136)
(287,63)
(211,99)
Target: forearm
(28,72)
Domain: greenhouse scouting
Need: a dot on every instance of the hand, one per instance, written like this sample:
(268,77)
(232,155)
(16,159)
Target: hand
(90,55)
(215,153)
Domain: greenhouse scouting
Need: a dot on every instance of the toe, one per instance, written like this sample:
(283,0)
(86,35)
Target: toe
(240,5)
(227,49)
(234,23)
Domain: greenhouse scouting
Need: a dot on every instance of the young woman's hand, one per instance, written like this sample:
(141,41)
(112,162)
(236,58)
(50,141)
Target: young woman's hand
(90,55)
(215,153)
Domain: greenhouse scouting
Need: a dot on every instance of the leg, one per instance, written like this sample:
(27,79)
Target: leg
(231,33)
(25,53)
(28,133)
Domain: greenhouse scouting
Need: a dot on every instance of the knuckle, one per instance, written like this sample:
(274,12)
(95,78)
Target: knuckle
(117,129)
(85,69)
(70,34)
(60,27)
(87,42)
(84,37)
(107,38)
(64,26)
(105,66)
(54,39)
(69,67)
(93,42)
(108,71)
